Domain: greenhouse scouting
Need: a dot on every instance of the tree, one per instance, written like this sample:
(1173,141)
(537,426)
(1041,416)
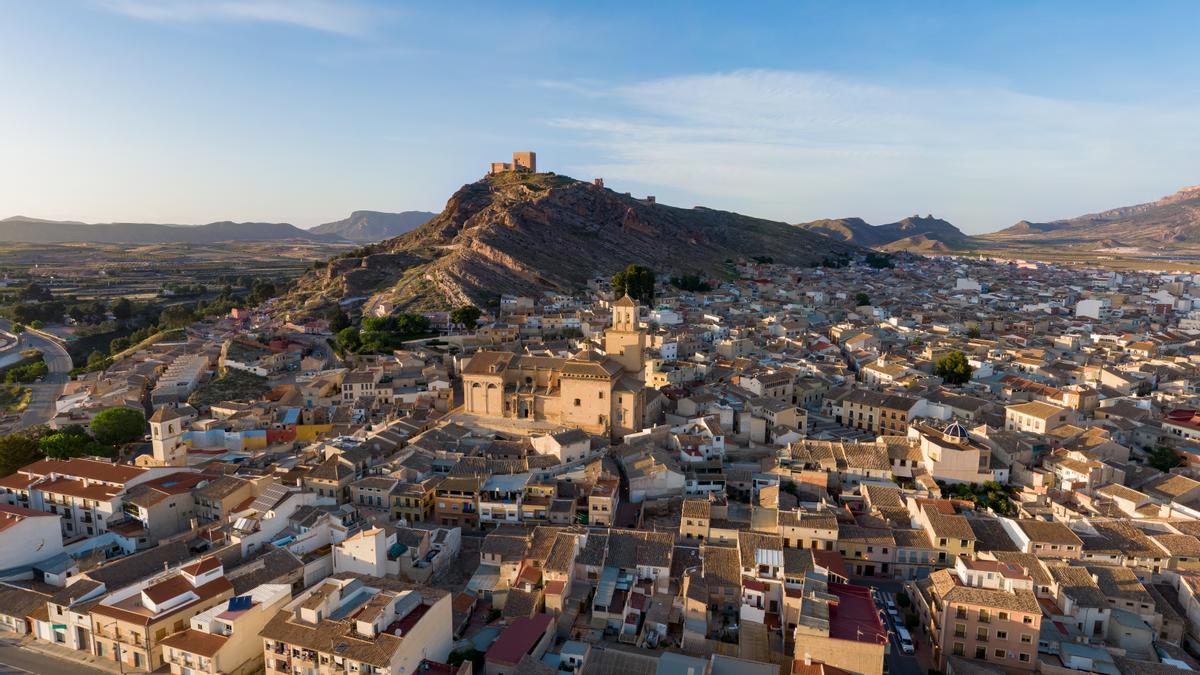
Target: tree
(408,325)
(348,339)
(118,426)
(953,368)
(176,316)
(34,293)
(1163,458)
(861,299)
(71,441)
(973,332)
(467,315)
(122,309)
(692,283)
(95,359)
(16,451)
(339,321)
(18,328)
(879,260)
(261,290)
(635,281)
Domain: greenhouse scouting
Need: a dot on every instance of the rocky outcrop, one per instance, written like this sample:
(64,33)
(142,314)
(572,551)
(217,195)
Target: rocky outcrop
(526,233)
(912,233)
(1170,223)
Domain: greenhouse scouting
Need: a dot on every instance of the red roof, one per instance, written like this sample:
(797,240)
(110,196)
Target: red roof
(518,639)
(855,616)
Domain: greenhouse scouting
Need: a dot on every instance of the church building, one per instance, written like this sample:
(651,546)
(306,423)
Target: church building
(601,394)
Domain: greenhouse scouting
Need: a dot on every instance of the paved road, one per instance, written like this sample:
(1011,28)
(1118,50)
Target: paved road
(14,660)
(898,663)
(45,393)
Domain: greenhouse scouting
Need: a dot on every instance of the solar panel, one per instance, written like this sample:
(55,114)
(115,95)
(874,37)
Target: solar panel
(241,602)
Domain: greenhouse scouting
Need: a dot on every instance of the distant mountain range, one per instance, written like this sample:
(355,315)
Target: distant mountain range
(914,233)
(1170,222)
(372,226)
(526,233)
(38,231)
(360,227)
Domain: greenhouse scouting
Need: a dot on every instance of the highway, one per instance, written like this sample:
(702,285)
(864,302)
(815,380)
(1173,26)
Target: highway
(45,393)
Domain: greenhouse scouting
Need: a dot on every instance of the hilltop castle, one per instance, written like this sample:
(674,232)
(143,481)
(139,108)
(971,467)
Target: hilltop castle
(521,161)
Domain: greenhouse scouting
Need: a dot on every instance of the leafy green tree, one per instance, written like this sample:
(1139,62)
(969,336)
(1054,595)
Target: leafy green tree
(118,426)
(408,325)
(16,451)
(953,368)
(96,358)
(18,328)
(262,290)
(637,282)
(339,321)
(1163,458)
(35,293)
(879,260)
(692,283)
(122,309)
(973,332)
(37,324)
(467,315)
(176,316)
(861,299)
(71,441)
(348,339)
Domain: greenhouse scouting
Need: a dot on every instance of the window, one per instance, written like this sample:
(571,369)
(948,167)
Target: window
(1026,639)
(1001,635)
(1027,620)
(981,652)
(961,613)
(1004,616)
(959,649)
(1024,658)
(577,403)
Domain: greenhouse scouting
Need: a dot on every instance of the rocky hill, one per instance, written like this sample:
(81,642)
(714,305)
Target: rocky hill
(526,233)
(921,232)
(1172,221)
(35,230)
(371,226)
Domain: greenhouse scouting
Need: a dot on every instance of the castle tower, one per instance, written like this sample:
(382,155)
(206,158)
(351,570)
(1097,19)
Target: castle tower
(166,437)
(524,161)
(624,341)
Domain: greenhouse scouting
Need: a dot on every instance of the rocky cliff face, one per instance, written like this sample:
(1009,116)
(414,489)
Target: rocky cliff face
(1170,222)
(527,233)
(920,232)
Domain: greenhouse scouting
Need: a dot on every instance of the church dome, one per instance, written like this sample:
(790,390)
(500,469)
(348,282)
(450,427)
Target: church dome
(955,432)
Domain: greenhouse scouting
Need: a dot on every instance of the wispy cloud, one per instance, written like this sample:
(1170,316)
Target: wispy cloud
(796,144)
(330,16)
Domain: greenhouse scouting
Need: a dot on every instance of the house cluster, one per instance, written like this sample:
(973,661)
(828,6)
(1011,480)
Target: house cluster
(708,482)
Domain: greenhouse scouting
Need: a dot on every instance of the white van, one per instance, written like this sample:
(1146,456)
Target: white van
(906,643)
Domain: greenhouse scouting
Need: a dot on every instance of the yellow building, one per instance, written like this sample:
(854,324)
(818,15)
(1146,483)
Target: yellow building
(600,394)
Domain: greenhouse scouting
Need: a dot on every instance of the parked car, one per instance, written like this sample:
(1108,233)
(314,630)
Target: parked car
(905,639)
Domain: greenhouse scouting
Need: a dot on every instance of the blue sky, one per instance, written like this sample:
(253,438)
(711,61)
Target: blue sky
(983,113)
